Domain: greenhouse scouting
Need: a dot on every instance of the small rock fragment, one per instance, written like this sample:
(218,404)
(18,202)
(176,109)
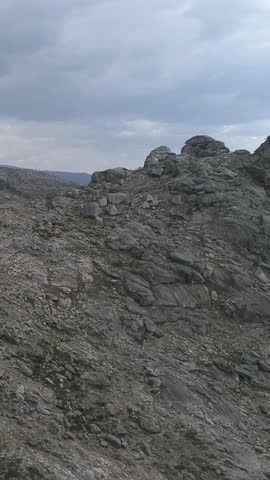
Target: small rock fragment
(145,205)
(117,198)
(149,425)
(181,258)
(112,440)
(111,210)
(111,409)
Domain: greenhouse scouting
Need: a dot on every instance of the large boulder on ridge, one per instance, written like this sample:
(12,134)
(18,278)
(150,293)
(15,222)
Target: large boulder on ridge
(110,175)
(156,155)
(204,146)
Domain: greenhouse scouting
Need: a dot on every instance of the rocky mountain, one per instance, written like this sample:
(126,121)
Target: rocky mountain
(134,333)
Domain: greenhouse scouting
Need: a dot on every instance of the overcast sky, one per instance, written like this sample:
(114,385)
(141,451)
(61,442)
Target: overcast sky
(94,84)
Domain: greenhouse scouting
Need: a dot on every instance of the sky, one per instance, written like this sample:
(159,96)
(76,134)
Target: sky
(87,85)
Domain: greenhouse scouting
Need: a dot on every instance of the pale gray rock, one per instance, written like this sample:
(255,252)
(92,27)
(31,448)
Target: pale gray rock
(178,295)
(112,440)
(150,327)
(90,475)
(154,274)
(140,293)
(152,201)
(149,425)
(156,171)
(146,205)
(91,210)
(117,198)
(103,202)
(182,258)
(204,146)
(123,241)
(156,155)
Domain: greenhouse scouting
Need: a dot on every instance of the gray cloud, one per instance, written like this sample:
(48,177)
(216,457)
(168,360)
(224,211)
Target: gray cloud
(91,84)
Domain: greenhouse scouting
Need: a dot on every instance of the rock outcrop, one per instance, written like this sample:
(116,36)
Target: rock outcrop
(156,155)
(204,146)
(134,322)
(264,149)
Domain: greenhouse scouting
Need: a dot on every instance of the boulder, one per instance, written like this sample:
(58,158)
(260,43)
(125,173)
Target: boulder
(152,201)
(149,425)
(182,258)
(172,165)
(103,202)
(123,241)
(110,175)
(111,210)
(140,293)
(155,274)
(156,172)
(178,295)
(241,152)
(91,210)
(156,155)
(117,198)
(204,146)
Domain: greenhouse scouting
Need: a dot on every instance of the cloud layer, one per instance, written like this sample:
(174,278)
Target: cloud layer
(86,85)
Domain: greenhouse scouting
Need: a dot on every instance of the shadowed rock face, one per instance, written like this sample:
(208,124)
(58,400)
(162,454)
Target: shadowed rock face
(204,146)
(259,166)
(134,321)
(264,149)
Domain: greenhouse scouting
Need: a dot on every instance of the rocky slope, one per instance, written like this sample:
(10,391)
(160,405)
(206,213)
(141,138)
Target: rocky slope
(75,178)
(134,334)
(32,183)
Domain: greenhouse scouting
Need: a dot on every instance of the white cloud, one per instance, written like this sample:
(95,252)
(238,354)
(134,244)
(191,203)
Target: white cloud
(142,128)
(95,83)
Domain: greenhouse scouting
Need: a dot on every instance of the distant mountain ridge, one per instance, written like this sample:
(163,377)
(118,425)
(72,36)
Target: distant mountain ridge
(75,177)
(33,183)
(80,178)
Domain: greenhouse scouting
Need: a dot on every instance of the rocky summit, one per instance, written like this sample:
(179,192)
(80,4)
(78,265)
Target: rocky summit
(135,314)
